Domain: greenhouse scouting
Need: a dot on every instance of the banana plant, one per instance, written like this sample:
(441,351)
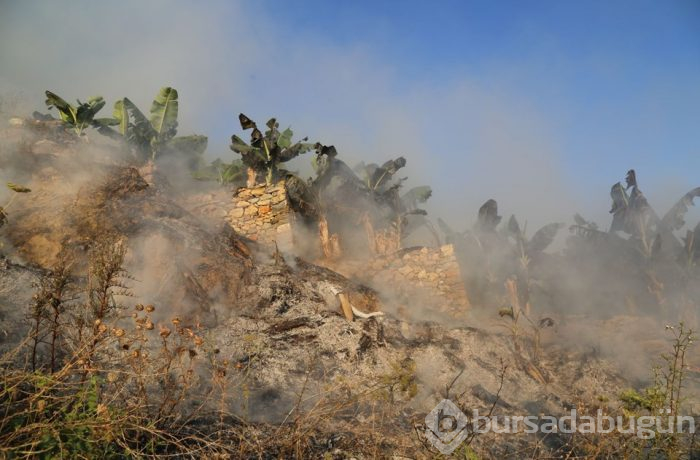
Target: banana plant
(150,138)
(379,178)
(385,189)
(265,152)
(79,117)
(633,215)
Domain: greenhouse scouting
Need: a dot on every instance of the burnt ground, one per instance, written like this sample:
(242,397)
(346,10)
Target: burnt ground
(298,372)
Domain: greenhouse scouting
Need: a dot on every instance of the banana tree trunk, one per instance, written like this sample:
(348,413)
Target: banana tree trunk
(252,178)
(147,171)
(371,235)
(324,235)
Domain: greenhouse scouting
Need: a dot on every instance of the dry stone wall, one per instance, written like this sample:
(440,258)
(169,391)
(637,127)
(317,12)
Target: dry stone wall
(429,274)
(262,213)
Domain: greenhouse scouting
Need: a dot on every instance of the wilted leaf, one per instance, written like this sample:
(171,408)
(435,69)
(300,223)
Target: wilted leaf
(383,174)
(673,219)
(544,237)
(246,123)
(18,188)
(619,207)
(508,311)
(238,145)
(488,218)
(416,195)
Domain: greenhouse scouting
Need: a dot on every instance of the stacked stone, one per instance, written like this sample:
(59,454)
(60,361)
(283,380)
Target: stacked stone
(433,269)
(261,213)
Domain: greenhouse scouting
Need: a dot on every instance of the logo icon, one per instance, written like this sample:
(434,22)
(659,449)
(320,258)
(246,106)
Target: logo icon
(445,426)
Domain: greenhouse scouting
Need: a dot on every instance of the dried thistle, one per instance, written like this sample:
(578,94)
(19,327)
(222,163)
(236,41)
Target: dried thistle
(164,332)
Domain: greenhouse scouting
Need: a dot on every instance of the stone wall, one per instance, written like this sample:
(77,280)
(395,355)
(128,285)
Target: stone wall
(262,213)
(428,275)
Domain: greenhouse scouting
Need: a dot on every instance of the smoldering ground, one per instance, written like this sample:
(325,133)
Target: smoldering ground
(600,301)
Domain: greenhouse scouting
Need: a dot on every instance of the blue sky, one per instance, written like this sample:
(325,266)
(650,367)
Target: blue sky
(541,105)
(622,77)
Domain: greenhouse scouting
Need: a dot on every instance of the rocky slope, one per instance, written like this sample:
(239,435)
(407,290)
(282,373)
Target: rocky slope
(347,388)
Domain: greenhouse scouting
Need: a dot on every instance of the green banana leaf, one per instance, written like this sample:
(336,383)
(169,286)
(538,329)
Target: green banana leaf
(164,114)
(121,115)
(66,111)
(285,138)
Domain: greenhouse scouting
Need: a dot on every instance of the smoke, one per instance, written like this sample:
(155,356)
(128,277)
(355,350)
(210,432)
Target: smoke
(470,139)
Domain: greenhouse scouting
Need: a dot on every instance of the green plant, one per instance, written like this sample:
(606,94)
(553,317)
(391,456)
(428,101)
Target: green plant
(396,208)
(115,391)
(223,173)
(266,152)
(17,189)
(150,138)
(77,117)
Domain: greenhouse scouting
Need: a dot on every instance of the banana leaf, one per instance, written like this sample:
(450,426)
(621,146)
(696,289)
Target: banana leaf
(18,188)
(514,227)
(416,195)
(66,111)
(246,123)
(238,145)
(164,114)
(121,115)
(86,112)
(619,207)
(543,237)
(383,175)
(673,219)
(285,139)
(488,218)
(295,150)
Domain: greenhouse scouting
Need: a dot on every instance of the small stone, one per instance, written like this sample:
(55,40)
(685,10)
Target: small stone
(251,211)
(242,204)
(280,206)
(236,213)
